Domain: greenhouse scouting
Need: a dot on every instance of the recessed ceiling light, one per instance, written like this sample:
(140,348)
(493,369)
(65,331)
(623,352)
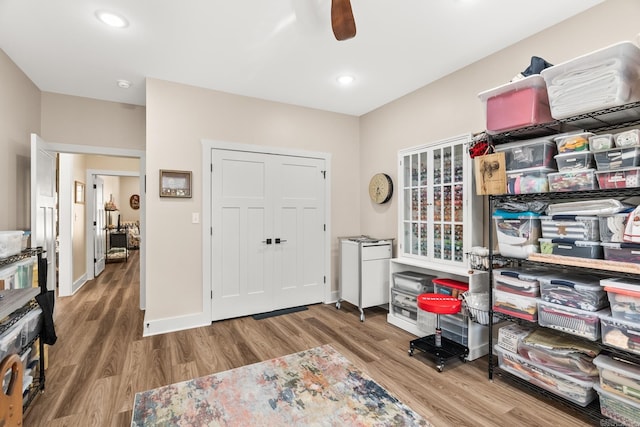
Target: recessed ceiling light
(124,84)
(346,79)
(112,19)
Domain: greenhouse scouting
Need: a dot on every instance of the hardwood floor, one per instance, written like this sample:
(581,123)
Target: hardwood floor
(101,360)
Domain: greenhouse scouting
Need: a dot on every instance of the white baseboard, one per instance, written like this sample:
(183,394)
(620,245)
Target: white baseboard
(335,295)
(173,324)
(75,287)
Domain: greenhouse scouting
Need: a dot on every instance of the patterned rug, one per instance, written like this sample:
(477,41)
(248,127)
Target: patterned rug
(316,387)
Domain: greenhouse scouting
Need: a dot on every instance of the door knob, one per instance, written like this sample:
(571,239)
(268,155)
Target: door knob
(268,241)
(280,240)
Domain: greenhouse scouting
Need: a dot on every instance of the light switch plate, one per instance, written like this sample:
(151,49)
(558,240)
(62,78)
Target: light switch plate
(195,218)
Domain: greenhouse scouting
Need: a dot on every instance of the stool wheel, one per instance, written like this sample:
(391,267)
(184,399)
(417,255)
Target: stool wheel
(440,368)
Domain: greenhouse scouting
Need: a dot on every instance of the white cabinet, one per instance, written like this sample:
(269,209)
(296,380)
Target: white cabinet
(364,271)
(439,219)
(406,316)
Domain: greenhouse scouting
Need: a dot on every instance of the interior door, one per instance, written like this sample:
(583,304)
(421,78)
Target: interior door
(43,204)
(299,226)
(98,226)
(268,232)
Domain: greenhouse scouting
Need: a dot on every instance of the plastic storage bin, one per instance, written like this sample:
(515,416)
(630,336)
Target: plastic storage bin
(417,283)
(621,178)
(515,305)
(628,138)
(11,340)
(587,207)
(10,243)
(610,74)
(455,328)
(405,312)
(449,287)
(617,408)
(517,281)
(621,334)
(517,233)
(601,142)
(32,323)
(8,277)
(574,161)
(570,227)
(578,180)
(620,378)
(574,142)
(617,158)
(527,181)
(623,252)
(512,335)
(571,320)
(528,154)
(573,290)
(514,105)
(573,389)
(563,353)
(612,227)
(624,298)
(404,298)
(572,248)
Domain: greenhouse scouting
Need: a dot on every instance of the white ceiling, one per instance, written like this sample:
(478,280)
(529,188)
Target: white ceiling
(279,50)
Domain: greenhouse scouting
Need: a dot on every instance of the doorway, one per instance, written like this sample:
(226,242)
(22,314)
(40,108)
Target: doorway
(65,216)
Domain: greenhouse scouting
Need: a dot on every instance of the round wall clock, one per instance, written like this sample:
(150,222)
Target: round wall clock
(380,188)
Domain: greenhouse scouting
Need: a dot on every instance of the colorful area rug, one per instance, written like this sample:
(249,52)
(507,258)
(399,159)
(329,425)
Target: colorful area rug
(316,387)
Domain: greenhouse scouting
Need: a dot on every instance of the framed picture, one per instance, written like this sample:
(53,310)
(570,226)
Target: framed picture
(79,192)
(175,183)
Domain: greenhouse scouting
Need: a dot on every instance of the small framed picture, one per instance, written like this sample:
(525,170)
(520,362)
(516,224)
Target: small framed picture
(175,183)
(79,193)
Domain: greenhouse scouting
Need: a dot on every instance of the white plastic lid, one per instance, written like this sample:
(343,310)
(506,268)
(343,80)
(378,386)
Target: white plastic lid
(625,369)
(621,283)
(572,281)
(534,80)
(565,308)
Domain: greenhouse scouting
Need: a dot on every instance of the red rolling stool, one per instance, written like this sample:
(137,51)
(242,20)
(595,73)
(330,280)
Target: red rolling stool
(441,348)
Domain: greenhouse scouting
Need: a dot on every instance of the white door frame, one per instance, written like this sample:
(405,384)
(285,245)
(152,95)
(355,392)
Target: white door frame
(65,240)
(207,239)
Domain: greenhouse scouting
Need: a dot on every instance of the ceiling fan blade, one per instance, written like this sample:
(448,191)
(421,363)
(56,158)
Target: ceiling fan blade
(342,22)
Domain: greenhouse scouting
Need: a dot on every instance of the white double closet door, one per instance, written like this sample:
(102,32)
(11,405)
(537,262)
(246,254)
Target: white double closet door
(268,238)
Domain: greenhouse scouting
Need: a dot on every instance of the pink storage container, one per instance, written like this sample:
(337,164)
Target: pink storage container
(515,105)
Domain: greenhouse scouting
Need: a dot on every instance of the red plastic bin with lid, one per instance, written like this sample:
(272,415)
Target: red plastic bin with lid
(449,287)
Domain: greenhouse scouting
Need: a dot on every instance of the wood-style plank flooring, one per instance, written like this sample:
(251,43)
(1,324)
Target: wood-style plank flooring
(101,360)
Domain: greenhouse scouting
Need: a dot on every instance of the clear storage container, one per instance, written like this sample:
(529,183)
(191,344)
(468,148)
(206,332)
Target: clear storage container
(571,320)
(412,281)
(11,340)
(624,298)
(403,298)
(628,138)
(619,378)
(527,181)
(578,391)
(574,290)
(515,305)
(449,287)
(10,243)
(601,142)
(577,160)
(517,233)
(621,334)
(513,105)
(621,178)
(532,153)
(517,281)
(573,142)
(579,180)
(617,408)
(610,75)
(575,227)
(617,158)
(587,207)
(622,252)
(612,227)
(572,248)
(455,328)
(408,313)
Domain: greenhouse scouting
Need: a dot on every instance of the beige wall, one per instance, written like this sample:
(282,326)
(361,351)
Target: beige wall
(178,118)
(128,187)
(84,121)
(451,107)
(79,212)
(19,117)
